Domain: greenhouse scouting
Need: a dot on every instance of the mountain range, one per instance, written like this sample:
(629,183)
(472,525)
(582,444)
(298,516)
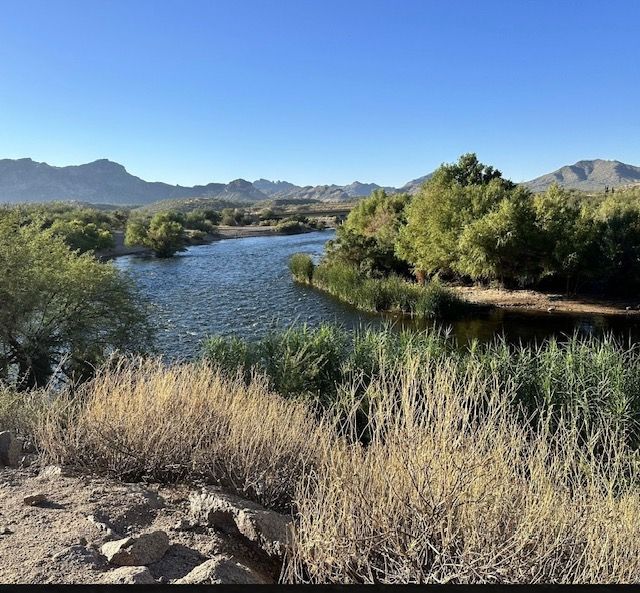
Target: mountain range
(106,182)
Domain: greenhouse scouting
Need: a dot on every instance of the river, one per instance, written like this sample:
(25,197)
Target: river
(242,287)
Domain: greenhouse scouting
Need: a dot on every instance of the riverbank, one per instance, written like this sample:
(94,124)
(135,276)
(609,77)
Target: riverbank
(532,300)
(222,232)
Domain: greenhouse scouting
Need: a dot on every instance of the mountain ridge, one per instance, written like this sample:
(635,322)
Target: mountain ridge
(588,175)
(107,182)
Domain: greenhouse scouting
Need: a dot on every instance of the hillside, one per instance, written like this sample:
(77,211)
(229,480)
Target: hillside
(107,182)
(103,181)
(588,175)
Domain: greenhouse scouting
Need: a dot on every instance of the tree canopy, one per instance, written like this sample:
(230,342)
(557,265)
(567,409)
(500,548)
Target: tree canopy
(62,311)
(163,233)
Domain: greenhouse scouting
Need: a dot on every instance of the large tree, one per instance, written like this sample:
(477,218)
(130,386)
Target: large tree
(368,236)
(61,312)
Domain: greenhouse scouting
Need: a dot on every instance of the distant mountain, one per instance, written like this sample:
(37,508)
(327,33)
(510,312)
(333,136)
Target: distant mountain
(104,181)
(272,188)
(591,175)
(413,186)
(322,193)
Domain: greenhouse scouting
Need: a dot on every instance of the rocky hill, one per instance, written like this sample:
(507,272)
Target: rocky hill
(104,181)
(591,175)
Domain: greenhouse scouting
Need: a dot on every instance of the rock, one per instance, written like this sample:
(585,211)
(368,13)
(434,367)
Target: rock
(265,529)
(129,575)
(10,449)
(34,499)
(222,570)
(137,551)
(182,525)
(4,530)
(51,472)
(101,526)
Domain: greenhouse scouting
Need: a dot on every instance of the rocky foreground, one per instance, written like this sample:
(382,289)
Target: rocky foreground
(58,525)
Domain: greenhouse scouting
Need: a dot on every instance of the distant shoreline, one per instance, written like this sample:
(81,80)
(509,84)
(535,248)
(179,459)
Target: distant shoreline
(222,232)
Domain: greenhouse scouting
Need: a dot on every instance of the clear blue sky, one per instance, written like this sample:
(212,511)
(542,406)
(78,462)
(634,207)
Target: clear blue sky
(319,91)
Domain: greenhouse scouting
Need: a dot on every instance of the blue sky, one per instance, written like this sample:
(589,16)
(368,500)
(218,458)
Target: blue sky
(319,91)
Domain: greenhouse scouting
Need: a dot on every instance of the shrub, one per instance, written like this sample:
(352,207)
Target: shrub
(392,293)
(454,488)
(139,419)
(301,267)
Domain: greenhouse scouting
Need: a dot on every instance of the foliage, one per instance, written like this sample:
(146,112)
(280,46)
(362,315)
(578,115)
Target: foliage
(83,229)
(391,293)
(468,222)
(83,236)
(301,267)
(164,233)
(61,312)
(367,237)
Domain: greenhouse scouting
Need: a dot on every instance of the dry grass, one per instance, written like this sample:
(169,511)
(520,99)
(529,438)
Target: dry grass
(140,419)
(453,485)
(453,489)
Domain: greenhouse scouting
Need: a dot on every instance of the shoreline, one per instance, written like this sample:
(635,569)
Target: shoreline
(540,302)
(222,233)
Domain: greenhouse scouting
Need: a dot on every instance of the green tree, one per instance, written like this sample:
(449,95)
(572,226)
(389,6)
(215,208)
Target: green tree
(62,312)
(505,244)
(368,236)
(164,233)
(570,238)
(83,236)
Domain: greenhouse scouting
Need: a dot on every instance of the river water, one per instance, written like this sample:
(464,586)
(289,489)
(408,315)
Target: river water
(242,287)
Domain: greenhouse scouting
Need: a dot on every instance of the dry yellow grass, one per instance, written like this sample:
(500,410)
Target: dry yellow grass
(452,487)
(140,419)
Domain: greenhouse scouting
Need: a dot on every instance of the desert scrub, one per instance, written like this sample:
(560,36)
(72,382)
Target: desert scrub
(20,411)
(141,420)
(301,267)
(454,487)
(388,294)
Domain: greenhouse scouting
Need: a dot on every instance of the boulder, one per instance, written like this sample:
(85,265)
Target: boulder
(222,570)
(137,551)
(268,530)
(129,575)
(10,449)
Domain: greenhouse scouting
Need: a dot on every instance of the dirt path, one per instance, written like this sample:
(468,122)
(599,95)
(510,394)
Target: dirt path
(538,301)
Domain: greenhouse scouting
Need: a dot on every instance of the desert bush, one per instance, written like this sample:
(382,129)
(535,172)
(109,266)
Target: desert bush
(21,411)
(139,419)
(454,487)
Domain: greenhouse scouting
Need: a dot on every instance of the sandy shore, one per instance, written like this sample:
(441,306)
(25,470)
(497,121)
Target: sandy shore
(538,301)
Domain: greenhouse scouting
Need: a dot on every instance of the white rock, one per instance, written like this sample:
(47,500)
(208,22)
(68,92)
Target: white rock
(222,570)
(266,529)
(137,551)
(129,575)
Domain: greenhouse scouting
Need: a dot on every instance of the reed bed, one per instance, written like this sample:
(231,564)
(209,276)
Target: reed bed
(391,294)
